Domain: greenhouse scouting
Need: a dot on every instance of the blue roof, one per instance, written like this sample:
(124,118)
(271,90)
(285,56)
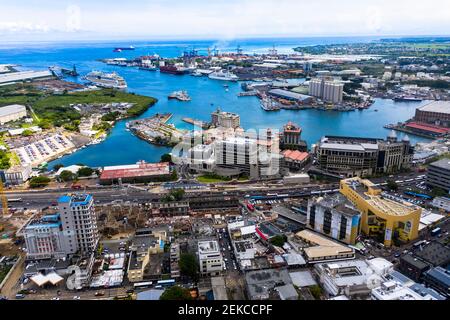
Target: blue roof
(64,199)
(76,200)
(440,274)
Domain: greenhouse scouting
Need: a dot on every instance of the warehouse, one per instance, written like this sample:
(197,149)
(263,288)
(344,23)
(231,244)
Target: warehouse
(285,94)
(135,173)
(13,77)
(436,112)
(12,112)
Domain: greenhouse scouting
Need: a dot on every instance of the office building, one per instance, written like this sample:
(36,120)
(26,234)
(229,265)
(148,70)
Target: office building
(335,217)
(327,89)
(210,258)
(225,119)
(438,175)
(439,279)
(146,242)
(354,278)
(393,290)
(350,156)
(44,238)
(442,203)
(388,219)
(79,222)
(291,138)
(12,113)
(435,113)
(412,267)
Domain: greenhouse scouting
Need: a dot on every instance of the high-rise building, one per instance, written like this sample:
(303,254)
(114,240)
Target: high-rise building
(327,89)
(225,119)
(79,222)
(334,216)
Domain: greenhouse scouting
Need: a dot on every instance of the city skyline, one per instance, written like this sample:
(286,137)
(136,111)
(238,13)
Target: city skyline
(82,20)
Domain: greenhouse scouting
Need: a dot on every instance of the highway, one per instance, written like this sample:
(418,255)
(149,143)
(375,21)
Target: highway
(105,195)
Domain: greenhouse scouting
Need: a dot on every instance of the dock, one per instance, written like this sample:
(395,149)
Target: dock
(203,125)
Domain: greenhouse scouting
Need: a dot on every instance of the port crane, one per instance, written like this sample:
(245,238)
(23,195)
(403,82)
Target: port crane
(5,210)
(239,50)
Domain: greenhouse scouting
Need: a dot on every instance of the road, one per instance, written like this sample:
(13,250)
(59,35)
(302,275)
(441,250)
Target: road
(105,195)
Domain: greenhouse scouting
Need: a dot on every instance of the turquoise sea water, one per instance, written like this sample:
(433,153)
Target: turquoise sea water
(121,147)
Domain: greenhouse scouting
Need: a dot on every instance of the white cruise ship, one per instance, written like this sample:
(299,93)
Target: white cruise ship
(225,76)
(106,80)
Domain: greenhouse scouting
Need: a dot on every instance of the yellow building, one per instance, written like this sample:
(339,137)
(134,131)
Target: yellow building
(379,215)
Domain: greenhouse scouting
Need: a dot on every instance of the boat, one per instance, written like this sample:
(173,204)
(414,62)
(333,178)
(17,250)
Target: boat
(268,104)
(171,70)
(120,49)
(148,67)
(224,76)
(407,99)
(69,72)
(106,80)
(179,95)
(196,74)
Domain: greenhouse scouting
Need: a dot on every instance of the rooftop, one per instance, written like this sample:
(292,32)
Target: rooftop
(442,164)
(437,106)
(321,246)
(141,169)
(206,247)
(434,253)
(295,155)
(13,108)
(289,94)
(78,199)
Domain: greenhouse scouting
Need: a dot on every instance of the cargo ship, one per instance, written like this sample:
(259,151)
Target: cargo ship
(171,70)
(120,49)
(407,99)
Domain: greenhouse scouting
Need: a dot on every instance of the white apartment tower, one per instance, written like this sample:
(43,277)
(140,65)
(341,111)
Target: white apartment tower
(210,258)
(326,89)
(79,222)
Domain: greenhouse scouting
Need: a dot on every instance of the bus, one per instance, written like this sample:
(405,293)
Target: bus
(419,243)
(15,200)
(250,207)
(142,285)
(418,195)
(166,283)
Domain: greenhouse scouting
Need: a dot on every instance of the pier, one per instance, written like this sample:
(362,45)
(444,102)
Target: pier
(203,125)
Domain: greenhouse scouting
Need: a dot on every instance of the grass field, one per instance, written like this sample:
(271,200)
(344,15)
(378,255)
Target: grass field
(212,179)
(56,109)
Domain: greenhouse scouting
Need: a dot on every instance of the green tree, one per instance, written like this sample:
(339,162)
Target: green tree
(278,240)
(27,133)
(39,182)
(438,192)
(392,185)
(166,158)
(4,160)
(316,291)
(66,176)
(85,172)
(176,293)
(189,266)
(58,166)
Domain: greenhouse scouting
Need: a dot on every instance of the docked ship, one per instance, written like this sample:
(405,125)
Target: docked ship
(406,99)
(171,70)
(179,95)
(225,76)
(148,67)
(106,80)
(268,104)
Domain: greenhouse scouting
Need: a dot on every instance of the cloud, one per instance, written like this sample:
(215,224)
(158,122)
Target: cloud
(73,22)
(23,27)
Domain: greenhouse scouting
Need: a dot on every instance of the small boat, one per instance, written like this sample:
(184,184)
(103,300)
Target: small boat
(179,95)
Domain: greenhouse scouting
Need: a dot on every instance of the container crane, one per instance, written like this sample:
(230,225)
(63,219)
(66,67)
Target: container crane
(5,210)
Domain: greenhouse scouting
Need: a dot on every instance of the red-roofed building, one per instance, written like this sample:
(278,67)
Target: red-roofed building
(294,159)
(139,172)
(428,129)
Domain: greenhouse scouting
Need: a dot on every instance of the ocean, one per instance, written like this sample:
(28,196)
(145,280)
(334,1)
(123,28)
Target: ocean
(121,147)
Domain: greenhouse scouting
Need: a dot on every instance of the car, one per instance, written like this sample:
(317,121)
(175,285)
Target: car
(99,293)
(20,296)
(130,291)
(55,298)
(397,255)
(76,298)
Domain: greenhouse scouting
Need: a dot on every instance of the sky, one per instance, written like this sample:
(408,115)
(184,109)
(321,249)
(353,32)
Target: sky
(44,20)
